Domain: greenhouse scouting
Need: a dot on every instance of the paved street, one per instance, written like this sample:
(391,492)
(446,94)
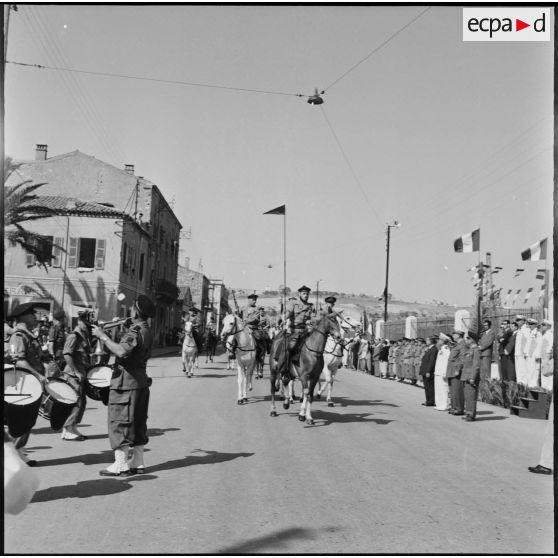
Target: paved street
(378,473)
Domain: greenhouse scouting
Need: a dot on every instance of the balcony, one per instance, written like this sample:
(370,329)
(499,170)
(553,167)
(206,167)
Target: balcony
(165,291)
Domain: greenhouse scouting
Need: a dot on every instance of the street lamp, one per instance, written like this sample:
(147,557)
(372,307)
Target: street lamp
(389,226)
(317,292)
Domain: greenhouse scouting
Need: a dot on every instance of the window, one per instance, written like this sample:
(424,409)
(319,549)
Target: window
(87,253)
(125,258)
(47,246)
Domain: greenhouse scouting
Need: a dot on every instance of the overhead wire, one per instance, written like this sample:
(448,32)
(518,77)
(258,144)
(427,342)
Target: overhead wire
(379,47)
(84,103)
(353,172)
(157,80)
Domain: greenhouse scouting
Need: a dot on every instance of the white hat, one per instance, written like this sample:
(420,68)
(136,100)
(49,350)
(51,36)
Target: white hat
(546,322)
(520,317)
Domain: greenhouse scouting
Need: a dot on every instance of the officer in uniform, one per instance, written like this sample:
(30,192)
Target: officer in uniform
(25,351)
(129,391)
(56,340)
(471,356)
(299,321)
(77,354)
(455,367)
(252,317)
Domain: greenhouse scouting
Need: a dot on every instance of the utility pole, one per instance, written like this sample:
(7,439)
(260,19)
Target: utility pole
(395,224)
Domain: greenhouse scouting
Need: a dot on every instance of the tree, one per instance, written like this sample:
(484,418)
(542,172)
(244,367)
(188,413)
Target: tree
(19,207)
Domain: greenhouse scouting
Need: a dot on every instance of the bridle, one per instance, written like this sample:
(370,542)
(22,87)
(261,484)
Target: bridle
(325,334)
(233,333)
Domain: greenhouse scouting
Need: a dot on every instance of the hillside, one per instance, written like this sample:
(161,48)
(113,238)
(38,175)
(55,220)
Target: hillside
(352,305)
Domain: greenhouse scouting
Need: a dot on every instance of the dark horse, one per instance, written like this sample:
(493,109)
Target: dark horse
(210,344)
(309,368)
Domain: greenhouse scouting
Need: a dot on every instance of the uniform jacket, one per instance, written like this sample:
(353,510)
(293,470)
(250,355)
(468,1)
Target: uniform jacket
(428,361)
(130,370)
(486,343)
(251,316)
(455,362)
(25,346)
(532,344)
(547,361)
(57,336)
(441,366)
(521,339)
(299,313)
(471,364)
(79,348)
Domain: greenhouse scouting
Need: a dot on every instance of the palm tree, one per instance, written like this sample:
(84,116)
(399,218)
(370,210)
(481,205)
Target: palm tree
(19,208)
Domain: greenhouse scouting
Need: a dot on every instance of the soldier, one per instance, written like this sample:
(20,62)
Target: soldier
(77,354)
(426,370)
(486,344)
(129,391)
(299,320)
(56,340)
(25,351)
(520,342)
(545,353)
(455,366)
(470,375)
(532,363)
(253,318)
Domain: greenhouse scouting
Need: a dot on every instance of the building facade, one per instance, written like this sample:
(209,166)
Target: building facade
(128,248)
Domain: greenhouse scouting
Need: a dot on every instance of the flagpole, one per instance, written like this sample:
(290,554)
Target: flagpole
(284,267)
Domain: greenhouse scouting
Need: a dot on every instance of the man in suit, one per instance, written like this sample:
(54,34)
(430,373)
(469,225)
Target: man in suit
(509,387)
(485,346)
(455,365)
(504,335)
(426,370)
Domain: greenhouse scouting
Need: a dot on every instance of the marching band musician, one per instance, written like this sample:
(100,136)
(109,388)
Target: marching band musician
(25,350)
(57,339)
(77,354)
(129,391)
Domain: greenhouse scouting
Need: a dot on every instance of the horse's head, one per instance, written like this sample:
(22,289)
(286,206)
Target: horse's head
(228,325)
(331,325)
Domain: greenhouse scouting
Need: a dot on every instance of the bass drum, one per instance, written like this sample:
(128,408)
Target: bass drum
(98,383)
(59,398)
(22,399)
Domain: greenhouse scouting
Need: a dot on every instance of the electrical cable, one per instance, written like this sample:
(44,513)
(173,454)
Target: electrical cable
(363,191)
(157,80)
(390,38)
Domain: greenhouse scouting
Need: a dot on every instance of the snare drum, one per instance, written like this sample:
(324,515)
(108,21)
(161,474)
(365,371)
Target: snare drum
(59,398)
(98,383)
(22,398)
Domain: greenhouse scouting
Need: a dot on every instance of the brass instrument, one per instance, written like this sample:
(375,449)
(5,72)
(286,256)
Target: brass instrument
(126,322)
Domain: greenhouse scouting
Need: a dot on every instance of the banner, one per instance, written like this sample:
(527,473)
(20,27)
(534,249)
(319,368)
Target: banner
(535,252)
(468,242)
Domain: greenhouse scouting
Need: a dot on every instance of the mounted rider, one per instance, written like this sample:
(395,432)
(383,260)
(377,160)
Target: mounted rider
(300,319)
(194,317)
(254,319)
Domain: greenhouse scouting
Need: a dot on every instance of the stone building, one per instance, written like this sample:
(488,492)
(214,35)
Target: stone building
(103,214)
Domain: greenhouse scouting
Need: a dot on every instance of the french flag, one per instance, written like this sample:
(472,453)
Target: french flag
(535,252)
(468,242)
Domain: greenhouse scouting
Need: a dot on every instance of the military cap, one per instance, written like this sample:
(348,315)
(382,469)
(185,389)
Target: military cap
(25,308)
(473,335)
(145,306)
(194,310)
(459,332)
(520,317)
(532,321)
(59,315)
(546,322)
(304,288)
(444,337)
(253,295)
(331,299)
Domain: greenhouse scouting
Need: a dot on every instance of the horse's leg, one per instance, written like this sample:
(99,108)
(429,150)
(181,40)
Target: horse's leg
(273,385)
(240,381)
(304,397)
(183,362)
(309,394)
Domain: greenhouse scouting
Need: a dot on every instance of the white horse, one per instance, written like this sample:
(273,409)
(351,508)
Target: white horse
(189,350)
(333,360)
(245,353)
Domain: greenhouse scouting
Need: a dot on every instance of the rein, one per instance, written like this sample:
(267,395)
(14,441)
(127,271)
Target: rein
(313,350)
(235,333)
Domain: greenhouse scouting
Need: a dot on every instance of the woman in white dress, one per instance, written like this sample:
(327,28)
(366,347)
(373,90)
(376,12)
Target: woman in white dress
(441,386)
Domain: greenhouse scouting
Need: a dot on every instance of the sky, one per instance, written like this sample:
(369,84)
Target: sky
(417,126)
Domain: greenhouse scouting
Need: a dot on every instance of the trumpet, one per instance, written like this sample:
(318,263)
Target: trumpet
(115,322)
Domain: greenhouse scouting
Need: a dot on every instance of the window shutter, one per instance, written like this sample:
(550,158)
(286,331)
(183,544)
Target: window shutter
(73,252)
(100,254)
(29,259)
(57,251)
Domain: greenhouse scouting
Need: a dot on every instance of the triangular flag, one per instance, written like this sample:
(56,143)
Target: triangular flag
(528,295)
(277,211)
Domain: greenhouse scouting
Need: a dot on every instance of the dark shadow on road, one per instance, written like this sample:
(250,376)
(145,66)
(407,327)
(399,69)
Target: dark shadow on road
(152,432)
(274,542)
(97,458)
(345,402)
(86,489)
(325,418)
(490,418)
(202,375)
(210,458)
(35,448)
